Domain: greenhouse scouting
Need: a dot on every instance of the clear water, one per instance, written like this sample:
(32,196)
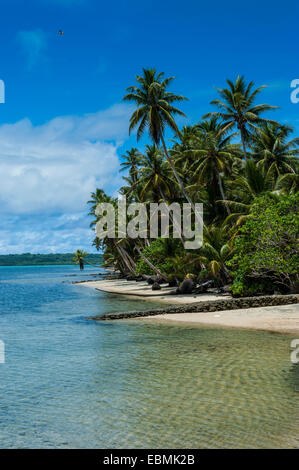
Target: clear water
(68,382)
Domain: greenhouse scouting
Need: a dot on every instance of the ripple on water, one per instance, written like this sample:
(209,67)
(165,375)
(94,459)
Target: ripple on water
(71,383)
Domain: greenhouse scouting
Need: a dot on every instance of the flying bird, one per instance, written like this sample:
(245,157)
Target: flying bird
(60,32)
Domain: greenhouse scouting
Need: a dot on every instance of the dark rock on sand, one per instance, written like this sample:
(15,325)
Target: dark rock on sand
(186,287)
(152,279)
(207,306)
(156,286)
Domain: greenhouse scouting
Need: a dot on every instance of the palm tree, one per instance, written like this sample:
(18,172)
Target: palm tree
(272,151)
(155,175)
(288,183)
(237,108)
(179,266)
(78,258)
(181,153)
(216,155)
(214,253)
(98,197)
(132,160)
(245,188)
(155,112)
(156,180)
(120,246)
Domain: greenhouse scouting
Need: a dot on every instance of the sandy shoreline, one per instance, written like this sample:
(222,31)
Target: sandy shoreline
(280,318)
(142,289)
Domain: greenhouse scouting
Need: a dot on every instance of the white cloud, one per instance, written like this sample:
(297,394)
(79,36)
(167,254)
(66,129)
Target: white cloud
(42,233)
(50,241)
(47,175)
(55,166)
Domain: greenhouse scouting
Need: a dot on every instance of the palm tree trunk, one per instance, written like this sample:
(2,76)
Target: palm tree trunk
(172,219)
(199,218)
(125,261)
(94,265)
(121,266)
(226,273)
(222,193)
(243,143)
(157,271)
(133,264)
(176,175)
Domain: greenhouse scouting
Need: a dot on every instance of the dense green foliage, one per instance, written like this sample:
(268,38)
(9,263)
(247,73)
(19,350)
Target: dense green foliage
(266,255)
(28,259)
(161,253)
(241,165)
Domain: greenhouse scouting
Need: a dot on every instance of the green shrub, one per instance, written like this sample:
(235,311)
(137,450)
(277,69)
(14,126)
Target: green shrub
(160,253)
(266,255)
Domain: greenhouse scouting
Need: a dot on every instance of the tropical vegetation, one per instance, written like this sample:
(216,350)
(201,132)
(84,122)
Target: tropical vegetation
(241,165)
(32,259)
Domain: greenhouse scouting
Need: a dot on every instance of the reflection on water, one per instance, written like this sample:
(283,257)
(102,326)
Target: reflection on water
(72,383)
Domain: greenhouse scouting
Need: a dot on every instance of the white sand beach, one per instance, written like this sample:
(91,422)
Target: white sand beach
(283,318)
(142,289)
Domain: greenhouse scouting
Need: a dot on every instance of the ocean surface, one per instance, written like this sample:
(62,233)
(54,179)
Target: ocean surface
(71,383)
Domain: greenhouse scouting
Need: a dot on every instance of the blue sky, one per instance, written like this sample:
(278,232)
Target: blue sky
(63,126)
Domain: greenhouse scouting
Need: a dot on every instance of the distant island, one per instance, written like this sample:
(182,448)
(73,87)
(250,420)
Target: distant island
(29,259)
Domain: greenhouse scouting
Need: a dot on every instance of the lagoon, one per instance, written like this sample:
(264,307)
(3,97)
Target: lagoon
(72,383)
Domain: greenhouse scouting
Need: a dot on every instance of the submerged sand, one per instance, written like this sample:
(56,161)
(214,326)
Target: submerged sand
(282,319)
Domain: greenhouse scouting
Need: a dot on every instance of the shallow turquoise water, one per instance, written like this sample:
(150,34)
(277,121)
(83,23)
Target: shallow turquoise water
(68,382)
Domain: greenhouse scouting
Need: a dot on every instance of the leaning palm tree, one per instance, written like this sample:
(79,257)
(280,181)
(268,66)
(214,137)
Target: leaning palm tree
(78,258)
(119,246)
(98,197)
(155,112)
(237,108)
(273,152)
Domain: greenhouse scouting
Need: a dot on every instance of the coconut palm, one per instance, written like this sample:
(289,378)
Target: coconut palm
(155,175)
(155,112)
(205,164)
(216,250)
(245,188)
(288,183)
(273,151)
(156,180)
(97,197)
(132,160)
(215,155)
(121,246)
(78,258)
(131,189)
(237,108)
